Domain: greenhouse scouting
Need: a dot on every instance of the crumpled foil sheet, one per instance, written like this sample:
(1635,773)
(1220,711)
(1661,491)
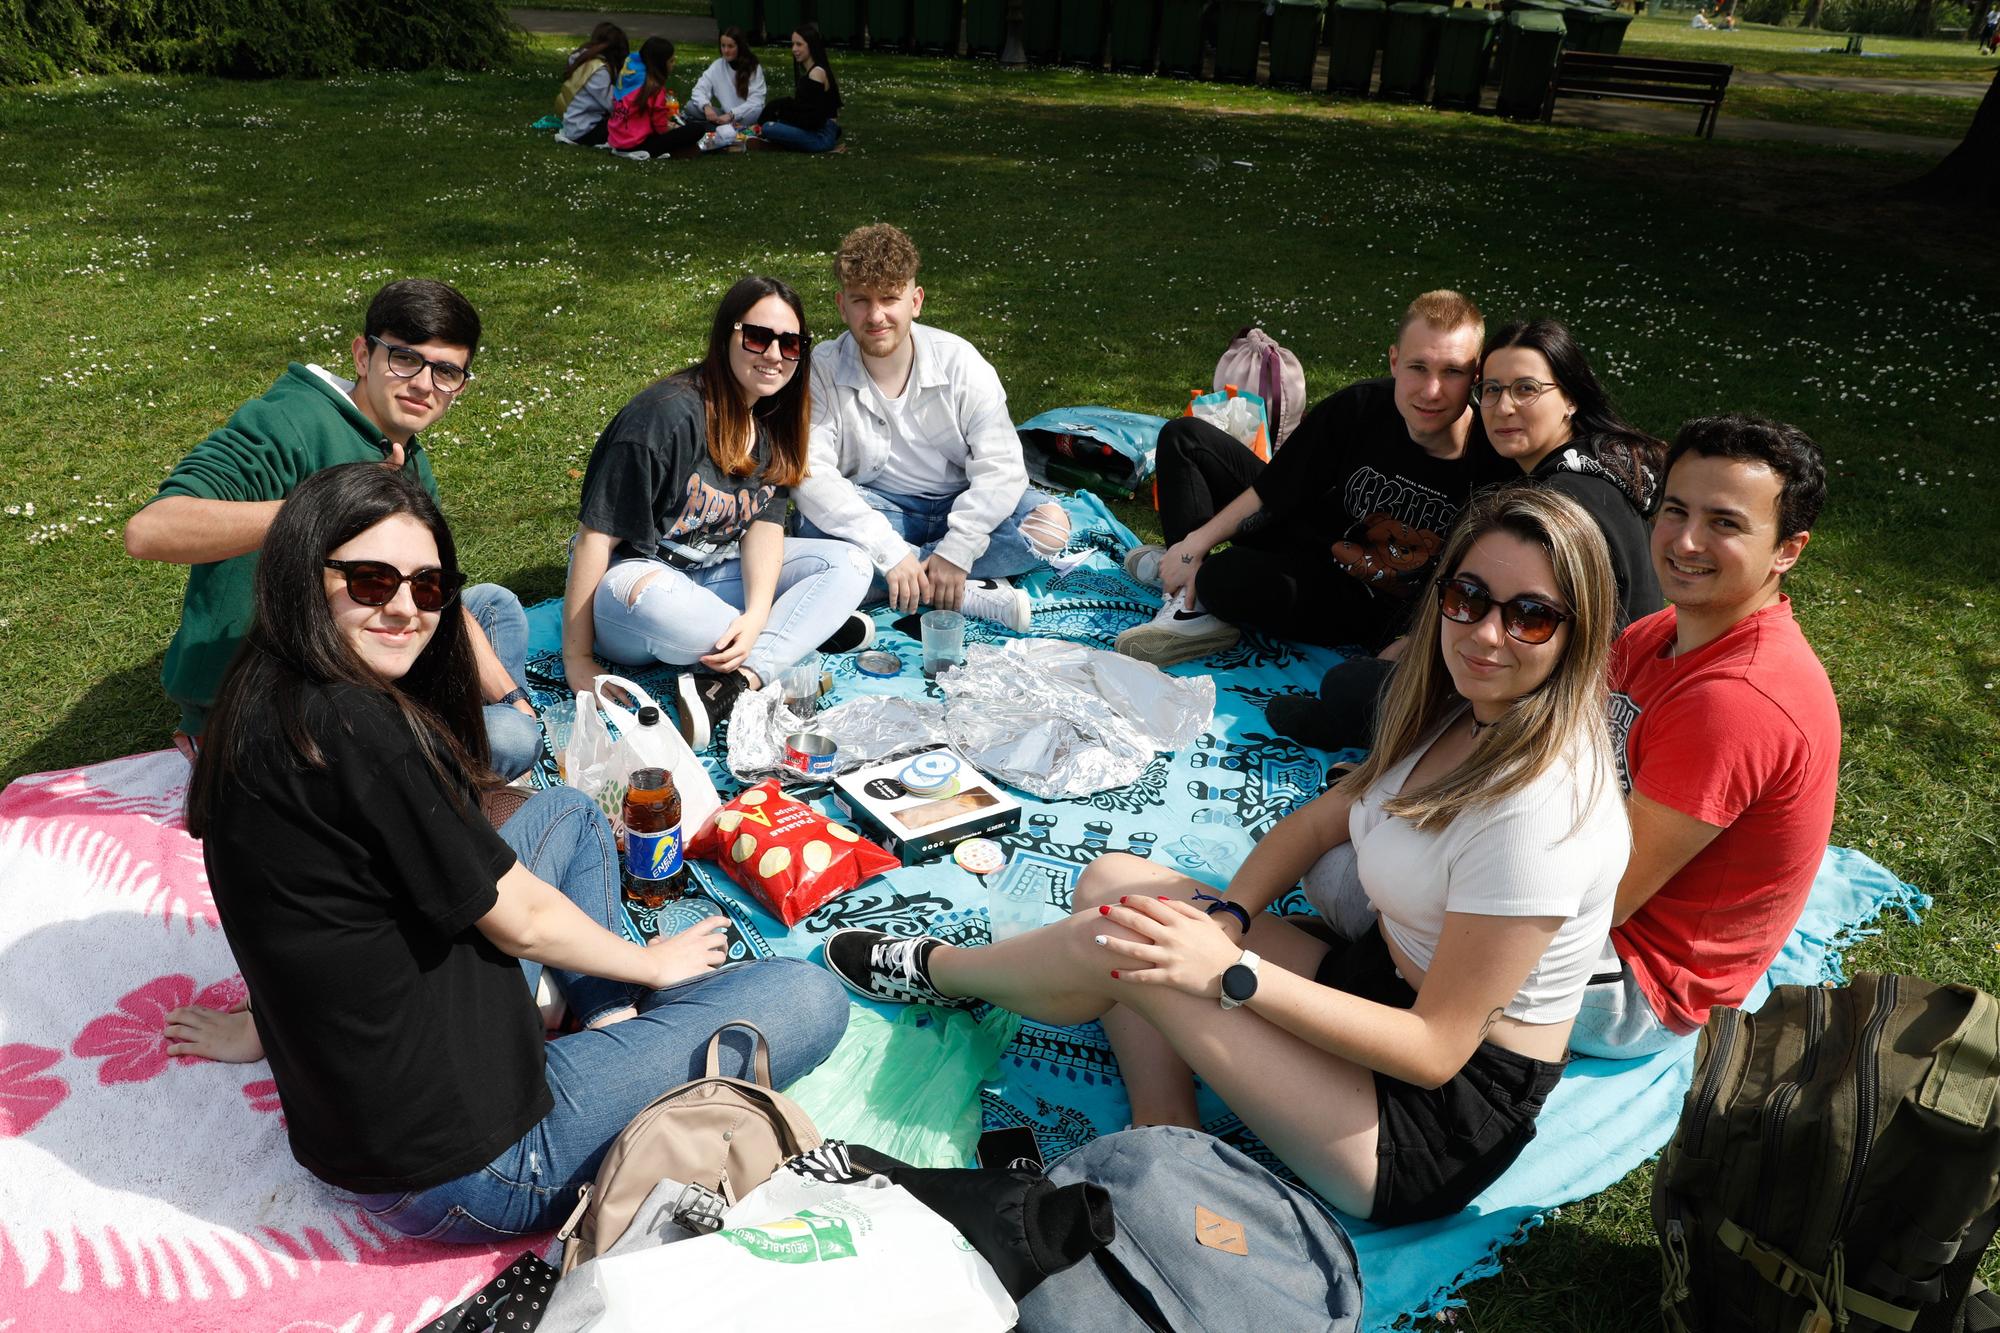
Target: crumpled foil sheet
(1048,717)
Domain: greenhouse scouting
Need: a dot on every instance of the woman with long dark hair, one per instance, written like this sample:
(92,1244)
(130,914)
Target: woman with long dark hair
(805,120)
(680,553)
(727,99)
(1400,1069)
(377,916)
(585,99)
(645,120)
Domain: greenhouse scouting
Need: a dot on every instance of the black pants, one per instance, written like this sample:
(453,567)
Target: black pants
(1277,575)
(593,136)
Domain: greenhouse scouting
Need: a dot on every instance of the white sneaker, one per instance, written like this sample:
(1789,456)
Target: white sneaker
(636,154)
(1177,635)
(564,138)
(1143,564)
(999,601)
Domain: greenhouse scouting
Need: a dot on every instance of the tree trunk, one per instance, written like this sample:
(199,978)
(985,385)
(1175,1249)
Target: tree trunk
(1921,19)
(1811,19)
(1968,176)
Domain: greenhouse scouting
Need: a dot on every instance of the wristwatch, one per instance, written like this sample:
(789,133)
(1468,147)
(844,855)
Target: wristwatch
(517,695)
(1239,980)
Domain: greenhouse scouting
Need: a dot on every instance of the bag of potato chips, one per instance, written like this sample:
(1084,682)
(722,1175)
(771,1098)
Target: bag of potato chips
(792,857)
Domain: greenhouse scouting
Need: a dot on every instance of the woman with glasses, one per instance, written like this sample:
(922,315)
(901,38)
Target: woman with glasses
(680,553)
(1399,1070)
(377,916)
(805,121)
(1544,410)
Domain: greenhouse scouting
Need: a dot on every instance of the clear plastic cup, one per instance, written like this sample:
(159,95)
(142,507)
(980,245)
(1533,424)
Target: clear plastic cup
(1014,900)
(801,685)
(558,720)
(944,641)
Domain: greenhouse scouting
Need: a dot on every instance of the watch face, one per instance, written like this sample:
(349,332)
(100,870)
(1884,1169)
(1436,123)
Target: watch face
(1239,983)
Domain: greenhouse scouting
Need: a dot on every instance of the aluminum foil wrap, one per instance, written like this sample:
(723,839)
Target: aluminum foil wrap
(866,729)
(1058,719)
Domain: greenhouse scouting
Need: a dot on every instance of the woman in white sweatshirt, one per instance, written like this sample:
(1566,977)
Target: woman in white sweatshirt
(728,97)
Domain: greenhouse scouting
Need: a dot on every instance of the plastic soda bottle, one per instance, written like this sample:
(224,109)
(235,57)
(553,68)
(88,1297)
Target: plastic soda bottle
(655,873)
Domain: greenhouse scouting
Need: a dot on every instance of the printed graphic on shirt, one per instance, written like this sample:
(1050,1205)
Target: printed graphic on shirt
(1620,713)
(711,521)
(1392,548)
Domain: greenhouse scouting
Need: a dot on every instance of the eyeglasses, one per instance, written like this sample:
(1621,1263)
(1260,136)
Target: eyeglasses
(757,340)
(405,363)
(374,583)
(1522,391)
(1528,619)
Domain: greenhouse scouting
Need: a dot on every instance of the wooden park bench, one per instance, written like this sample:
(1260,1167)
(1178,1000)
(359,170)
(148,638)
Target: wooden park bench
(1643,79)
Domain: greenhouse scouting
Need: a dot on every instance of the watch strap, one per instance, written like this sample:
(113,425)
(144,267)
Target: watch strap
(517,695)
(1249,962)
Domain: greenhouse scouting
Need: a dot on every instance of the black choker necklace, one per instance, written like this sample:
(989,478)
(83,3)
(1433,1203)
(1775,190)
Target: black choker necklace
(1478,726)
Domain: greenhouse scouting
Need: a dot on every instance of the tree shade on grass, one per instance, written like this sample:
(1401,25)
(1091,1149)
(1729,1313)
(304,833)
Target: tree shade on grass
(167,243)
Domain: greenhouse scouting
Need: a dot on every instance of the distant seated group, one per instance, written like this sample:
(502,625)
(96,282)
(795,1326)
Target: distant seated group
(1584,821)
(613,97)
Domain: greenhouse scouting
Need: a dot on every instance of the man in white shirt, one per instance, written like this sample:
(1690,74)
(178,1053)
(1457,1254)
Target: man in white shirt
(914,455)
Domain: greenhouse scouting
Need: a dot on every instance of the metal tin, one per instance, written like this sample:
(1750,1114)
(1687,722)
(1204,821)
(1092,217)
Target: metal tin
(811,753)
(878,663)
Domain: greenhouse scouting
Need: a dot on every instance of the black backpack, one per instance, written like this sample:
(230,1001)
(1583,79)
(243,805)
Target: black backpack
(1837,1163)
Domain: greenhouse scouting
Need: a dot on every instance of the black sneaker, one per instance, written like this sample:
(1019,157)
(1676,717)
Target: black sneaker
(706,701)
(854,634)
(1317,723)
(889,968)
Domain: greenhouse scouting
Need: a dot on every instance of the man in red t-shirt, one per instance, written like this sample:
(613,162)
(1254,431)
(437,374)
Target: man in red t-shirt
(1728,740)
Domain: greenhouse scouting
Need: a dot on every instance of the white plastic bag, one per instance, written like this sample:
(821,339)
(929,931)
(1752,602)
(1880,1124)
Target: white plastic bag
(797,1252)
(1240,415)
(598,765)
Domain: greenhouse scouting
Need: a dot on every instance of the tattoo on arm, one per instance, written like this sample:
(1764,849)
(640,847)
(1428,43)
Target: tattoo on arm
(1491,1019)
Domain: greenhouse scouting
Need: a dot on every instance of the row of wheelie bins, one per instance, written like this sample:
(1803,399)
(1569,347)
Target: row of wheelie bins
(1426,48)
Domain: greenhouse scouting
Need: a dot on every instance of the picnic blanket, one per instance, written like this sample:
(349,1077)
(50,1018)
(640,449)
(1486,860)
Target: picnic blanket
(143,1192)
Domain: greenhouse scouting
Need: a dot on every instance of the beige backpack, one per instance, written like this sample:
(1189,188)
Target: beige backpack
(722,1136)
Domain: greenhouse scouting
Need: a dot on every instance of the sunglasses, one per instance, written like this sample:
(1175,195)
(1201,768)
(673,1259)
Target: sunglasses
(1528,619)
(406,363)
(757,340)
(374,583)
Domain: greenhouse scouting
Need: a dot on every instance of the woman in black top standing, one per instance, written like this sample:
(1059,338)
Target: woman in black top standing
(805,120)
(377,917)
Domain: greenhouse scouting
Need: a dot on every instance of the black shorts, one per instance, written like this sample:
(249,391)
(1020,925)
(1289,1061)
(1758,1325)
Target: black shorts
(1439,1147)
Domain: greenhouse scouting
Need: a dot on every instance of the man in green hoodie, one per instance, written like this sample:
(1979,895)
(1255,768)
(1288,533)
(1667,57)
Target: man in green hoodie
(411,362)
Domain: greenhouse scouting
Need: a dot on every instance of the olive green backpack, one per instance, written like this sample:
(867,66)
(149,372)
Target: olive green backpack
(1837,1163)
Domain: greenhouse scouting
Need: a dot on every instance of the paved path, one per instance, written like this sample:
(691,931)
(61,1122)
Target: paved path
(1599,115)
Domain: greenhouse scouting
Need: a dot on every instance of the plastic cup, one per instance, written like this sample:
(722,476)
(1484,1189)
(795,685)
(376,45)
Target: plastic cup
(558,720)
(944,641)
(801,686)
(1014,900)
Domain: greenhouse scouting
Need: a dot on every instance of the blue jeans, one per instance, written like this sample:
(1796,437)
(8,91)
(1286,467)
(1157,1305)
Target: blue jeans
(601,1078)
(679,615)
(922,521)
(803,141)
(514,737)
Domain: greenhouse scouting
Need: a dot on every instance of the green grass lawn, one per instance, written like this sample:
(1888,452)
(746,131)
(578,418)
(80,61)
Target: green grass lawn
(1937,117)
(167,244)
(1805,51)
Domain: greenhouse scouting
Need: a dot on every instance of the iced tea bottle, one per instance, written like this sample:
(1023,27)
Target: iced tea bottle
(655,872)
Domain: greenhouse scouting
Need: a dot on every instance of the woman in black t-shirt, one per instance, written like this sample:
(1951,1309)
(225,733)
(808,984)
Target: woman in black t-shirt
(805,120)
(377,917)
(680,553)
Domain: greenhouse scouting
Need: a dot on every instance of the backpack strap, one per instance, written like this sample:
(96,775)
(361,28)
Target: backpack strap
(1824,1290)
(1965,1071)
(760,1047)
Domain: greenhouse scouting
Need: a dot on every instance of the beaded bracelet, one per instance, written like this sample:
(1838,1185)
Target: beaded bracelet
(1224,905)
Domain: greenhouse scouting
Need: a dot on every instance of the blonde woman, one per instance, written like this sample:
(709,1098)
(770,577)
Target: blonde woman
(1397,1073)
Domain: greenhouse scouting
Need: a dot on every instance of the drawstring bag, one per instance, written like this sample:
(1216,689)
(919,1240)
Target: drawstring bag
(908,1088)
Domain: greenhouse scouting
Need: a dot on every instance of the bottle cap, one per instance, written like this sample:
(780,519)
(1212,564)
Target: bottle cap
(878,663)
(649,716)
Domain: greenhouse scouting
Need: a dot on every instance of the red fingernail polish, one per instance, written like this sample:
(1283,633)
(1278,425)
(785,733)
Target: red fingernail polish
(1121,900)
(1163,897)
(1114,976)
(1106,909)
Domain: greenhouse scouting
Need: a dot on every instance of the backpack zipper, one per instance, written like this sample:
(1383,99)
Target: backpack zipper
(1867,1062)
(1711,1079)
(1778,1107)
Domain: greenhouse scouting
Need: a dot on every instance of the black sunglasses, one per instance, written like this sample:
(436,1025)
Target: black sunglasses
(374,583)
(406,363)
(757,340)
(1529,619)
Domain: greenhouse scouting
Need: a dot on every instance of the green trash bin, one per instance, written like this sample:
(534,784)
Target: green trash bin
(738,14)
(1354,31)
(1180,37)
(1531,40)
(1465,49)
(841,21)
(1295,42)
(782,18)
(1081,30)
(1595,29)
(936,25)
(1409,50)
(889,24)
(1135,32)
(1041,30)
(985,26)
(1239,34)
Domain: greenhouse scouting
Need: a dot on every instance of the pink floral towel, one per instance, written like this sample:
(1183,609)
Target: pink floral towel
(140,1192)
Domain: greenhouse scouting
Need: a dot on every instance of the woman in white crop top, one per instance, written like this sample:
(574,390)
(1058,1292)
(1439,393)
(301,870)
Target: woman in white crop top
(1399,1073)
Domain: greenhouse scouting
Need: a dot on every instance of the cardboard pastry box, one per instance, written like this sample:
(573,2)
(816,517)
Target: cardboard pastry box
(916,827)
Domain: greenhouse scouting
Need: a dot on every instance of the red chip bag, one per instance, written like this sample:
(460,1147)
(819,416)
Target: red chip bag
(790,855)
